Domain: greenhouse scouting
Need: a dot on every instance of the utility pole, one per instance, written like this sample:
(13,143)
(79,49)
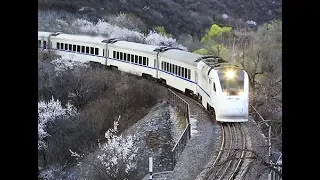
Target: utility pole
(150,167)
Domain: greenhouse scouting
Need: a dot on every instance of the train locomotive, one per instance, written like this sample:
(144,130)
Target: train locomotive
(222,88)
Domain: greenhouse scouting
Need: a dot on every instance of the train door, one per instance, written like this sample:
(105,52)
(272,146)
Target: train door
(214,100)
(196,77)
(156,66)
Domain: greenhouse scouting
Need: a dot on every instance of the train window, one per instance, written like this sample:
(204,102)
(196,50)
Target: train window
(231,80)
(214,87)
(175,69)
(179,70)
(128,57)
(185,72)
(132,57)
(167,68)
(162,65)
(74,48)
(96,51)
(182,71)
(78,48)
(189,73)
(117,55)
(91,50)
(87,49)
(140,59)
(70,47)
(39,43)
(61,46)
(58,45)
(114,54)
(65,46)
(125,56)
(108,53)
(147,61)
(136,59)
(82,49)
(45,44)
(103,52)
(144,61)
(121,54)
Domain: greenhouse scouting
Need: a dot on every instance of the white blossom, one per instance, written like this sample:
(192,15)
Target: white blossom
(61,22)
(225,16)
(77,155)
(154,38)
(62,65)
(118,148)
(48,112)
(52,172)
(112,31)
(250,22)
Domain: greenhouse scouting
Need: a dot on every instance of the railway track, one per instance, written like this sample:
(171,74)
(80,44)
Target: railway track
(230,162)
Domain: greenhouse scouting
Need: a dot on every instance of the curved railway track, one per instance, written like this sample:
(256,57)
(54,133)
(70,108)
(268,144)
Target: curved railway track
(230,162)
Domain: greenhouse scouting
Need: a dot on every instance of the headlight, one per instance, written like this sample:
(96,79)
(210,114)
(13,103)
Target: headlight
(230,74)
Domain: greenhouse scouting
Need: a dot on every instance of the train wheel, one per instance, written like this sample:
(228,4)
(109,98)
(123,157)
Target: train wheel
(213,114)
(199,98)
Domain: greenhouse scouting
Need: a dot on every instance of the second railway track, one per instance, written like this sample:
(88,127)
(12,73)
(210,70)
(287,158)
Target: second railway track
(230,162)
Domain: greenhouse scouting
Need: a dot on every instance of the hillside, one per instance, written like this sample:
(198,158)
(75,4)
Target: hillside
(177,16)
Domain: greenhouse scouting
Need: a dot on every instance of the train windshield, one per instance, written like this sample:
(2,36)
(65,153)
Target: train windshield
(232,81)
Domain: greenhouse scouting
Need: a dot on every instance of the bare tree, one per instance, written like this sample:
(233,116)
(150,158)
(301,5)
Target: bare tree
(259,53)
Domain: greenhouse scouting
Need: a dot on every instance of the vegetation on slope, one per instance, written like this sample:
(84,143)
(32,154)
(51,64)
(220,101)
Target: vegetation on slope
(191,17)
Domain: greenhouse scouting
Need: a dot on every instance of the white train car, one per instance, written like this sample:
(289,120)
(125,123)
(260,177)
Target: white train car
(79,48)
(134,58)
(224,89)
(178,68)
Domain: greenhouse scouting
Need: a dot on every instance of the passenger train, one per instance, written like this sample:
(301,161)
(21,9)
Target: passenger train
(222,88)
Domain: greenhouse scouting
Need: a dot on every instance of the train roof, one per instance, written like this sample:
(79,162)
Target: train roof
(167,52)
(215,62)
(180,55)
(81,38)
(209,62)
(134,46)
(42,33)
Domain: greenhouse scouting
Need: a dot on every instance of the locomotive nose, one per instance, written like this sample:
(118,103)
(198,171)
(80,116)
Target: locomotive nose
(233,108)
